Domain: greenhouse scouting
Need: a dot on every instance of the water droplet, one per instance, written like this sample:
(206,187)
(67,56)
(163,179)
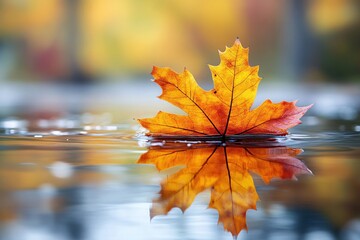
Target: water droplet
(12,131)
(157,144)
(13,123)
(143,143)
(57,133)
(87,128)
(111,128)
(61,169)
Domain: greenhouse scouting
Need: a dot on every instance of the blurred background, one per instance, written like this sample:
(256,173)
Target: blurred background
(75,76)
(82,41)
(62,56)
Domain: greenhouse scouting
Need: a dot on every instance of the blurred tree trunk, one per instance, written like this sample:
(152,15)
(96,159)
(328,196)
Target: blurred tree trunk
(76,73)
(299,53)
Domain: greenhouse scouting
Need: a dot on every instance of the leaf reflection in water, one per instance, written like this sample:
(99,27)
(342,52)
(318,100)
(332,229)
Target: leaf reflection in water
(223,169)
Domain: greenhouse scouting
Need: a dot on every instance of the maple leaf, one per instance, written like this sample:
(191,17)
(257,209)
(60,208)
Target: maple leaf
(226,171)
(224,110)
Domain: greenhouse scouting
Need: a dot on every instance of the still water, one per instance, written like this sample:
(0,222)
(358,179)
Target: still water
(61,180)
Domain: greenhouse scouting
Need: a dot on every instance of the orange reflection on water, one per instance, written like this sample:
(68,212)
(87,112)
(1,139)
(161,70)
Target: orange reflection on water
(226,171)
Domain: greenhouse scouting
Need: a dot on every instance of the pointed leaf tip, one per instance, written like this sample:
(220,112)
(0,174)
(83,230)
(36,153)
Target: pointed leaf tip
(237,41)
(235,88)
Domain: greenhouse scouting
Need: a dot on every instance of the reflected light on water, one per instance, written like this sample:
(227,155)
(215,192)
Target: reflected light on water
(85,184)
(61,169)
(223,168)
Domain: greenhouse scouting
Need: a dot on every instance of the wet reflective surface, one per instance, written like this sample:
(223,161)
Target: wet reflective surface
(79,181)
(69,169)
(225,169)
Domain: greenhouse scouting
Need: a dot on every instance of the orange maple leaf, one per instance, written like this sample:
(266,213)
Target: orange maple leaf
(224,110)
(226,171)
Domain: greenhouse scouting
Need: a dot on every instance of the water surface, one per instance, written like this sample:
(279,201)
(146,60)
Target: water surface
(65,179)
